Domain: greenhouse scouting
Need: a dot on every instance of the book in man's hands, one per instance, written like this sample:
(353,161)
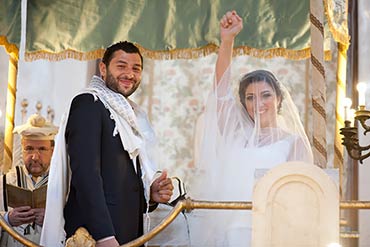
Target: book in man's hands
(18,196)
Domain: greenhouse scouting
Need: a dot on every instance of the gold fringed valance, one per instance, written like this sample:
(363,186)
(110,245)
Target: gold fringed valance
(66,54)
(279,52)
(190,53)
(193,53)
(10,48)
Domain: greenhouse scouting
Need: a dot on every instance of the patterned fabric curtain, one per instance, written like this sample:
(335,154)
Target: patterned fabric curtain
(337,17)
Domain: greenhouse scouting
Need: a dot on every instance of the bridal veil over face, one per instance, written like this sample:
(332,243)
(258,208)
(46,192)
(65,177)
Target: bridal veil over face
(244,132)
(259,118)
(253,131)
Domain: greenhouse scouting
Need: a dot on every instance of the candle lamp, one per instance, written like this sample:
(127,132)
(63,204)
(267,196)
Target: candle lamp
(350,133)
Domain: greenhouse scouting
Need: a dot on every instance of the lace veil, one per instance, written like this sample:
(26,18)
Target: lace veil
(234,144)
(231,132)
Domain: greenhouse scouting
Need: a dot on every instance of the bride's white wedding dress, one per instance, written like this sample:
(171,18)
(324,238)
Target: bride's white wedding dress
(233,149)
(234,183)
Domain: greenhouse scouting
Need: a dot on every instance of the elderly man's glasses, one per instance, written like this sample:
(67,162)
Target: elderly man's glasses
(32,150)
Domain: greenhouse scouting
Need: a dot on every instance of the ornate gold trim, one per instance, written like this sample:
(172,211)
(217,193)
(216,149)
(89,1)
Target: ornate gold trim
(10,48)
(69,53)
(338,36)
(188,53)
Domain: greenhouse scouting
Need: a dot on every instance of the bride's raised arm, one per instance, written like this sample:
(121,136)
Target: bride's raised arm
(230,25)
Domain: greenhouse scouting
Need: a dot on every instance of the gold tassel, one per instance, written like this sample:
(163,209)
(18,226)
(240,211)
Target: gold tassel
(187,53)
(72,54)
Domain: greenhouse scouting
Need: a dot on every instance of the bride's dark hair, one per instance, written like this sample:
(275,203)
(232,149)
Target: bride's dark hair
(258,76)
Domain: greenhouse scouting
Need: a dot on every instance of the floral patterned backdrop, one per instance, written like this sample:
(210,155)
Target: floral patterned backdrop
(174,91)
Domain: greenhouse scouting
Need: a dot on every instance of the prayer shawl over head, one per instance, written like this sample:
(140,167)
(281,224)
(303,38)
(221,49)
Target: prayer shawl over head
(136,135)
(20,177)
(37,128)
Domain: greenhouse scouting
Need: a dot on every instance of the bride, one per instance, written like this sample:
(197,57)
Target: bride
(242,139)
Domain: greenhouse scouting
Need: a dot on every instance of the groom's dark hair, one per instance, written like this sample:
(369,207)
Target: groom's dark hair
(125,46)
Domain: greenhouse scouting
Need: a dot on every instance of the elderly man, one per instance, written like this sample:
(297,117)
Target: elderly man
(37,142)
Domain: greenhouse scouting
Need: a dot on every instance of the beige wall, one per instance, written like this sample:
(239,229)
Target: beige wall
(51,83)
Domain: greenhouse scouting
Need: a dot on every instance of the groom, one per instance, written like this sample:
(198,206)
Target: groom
(107,136)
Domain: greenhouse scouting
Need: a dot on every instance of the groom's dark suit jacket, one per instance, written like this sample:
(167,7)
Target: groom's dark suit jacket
(106,195)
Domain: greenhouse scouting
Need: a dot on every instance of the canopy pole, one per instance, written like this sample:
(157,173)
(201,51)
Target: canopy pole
(10,110)
(339,115)
(318,83)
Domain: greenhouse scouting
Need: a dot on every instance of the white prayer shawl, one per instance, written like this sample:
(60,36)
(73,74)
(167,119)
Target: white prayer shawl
(136,135)
(25,181)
